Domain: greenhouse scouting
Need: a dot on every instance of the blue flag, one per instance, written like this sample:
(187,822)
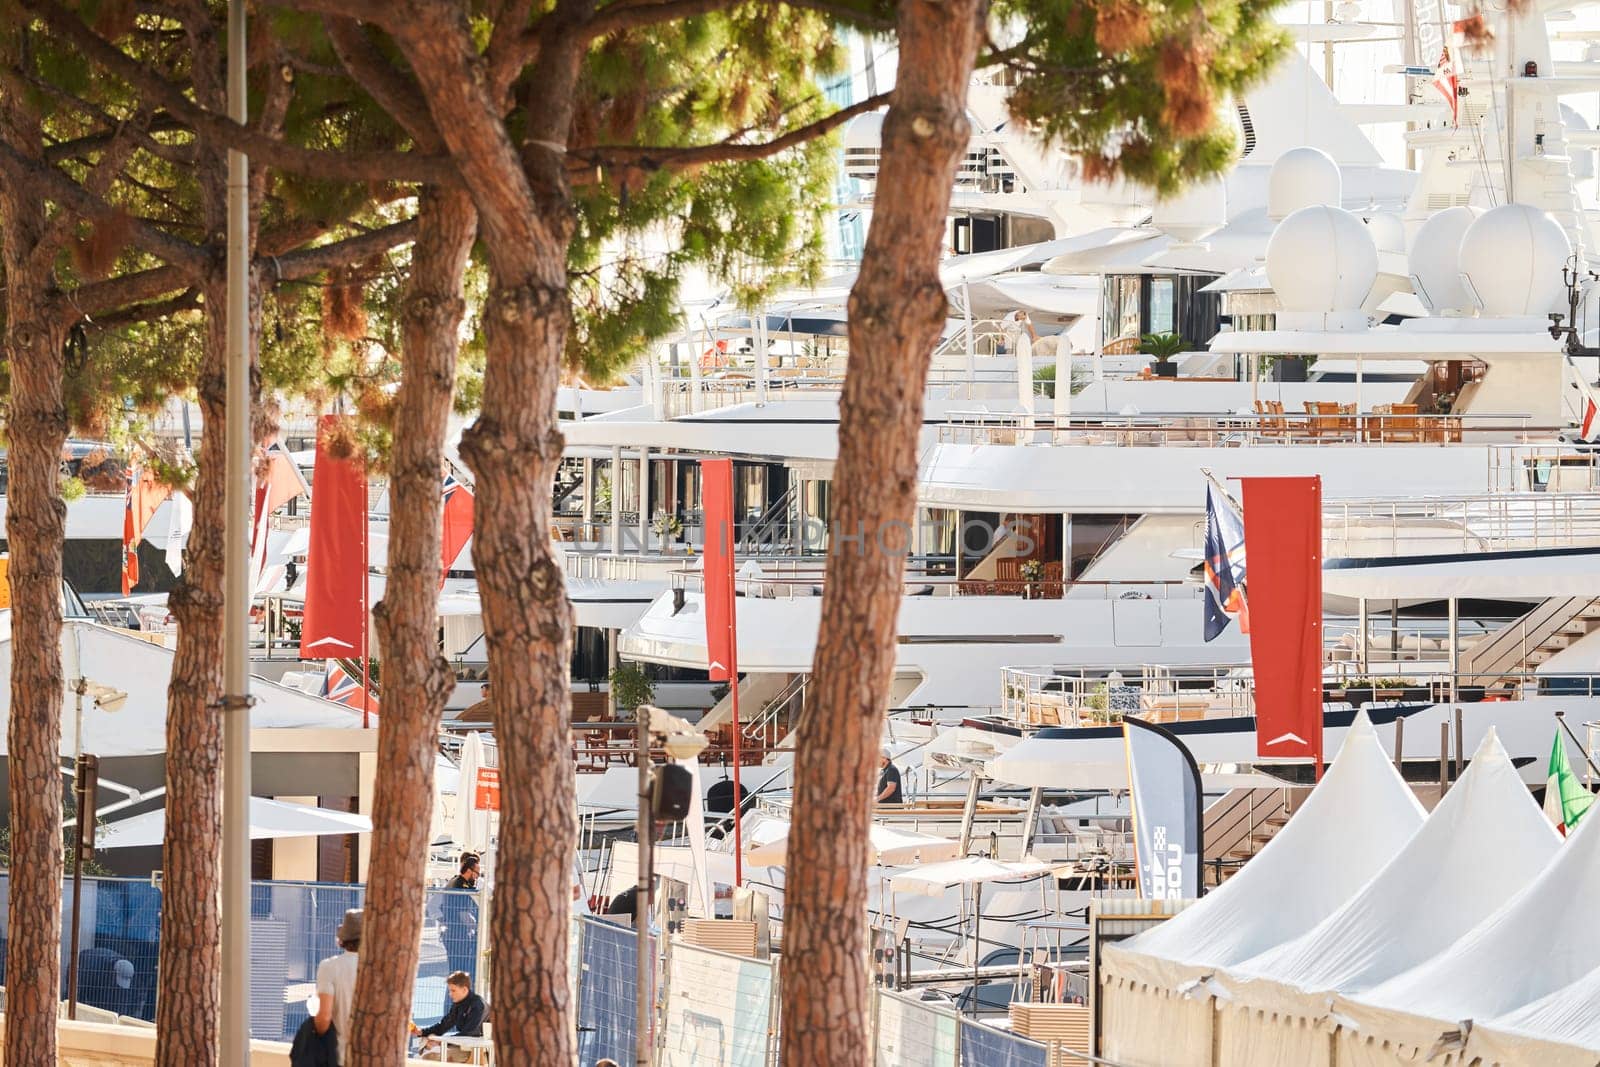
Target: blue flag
(1224,567)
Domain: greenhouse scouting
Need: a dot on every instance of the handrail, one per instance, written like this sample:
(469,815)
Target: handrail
(1224,430)
(1510,645)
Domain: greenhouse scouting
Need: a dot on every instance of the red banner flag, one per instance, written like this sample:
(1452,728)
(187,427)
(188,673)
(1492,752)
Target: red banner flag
(145,495)
(1283,536)
(336,560)
(457,520)
(716,502)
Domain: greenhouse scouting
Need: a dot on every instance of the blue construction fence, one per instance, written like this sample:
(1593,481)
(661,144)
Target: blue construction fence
(291,930)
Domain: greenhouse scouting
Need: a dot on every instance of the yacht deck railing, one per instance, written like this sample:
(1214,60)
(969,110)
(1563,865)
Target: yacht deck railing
(1212,430)
(781,578)
(1036,697)
(1485,522)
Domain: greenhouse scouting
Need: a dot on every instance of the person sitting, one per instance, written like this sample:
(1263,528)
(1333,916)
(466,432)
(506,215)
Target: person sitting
(464,1019)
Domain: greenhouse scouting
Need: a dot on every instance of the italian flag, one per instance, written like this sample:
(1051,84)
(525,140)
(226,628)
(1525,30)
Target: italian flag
(1565,798)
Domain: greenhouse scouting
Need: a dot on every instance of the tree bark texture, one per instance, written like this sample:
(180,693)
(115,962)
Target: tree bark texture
(416,679)
(513,449)
(188,1000)
(35,529)
(897,309)
(189,968)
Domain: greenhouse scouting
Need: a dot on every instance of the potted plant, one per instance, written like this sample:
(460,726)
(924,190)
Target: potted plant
(1163,346)
(1032,572)
(668,528)
(630,688)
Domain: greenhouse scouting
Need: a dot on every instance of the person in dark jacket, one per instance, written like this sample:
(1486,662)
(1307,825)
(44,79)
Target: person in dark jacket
(464,1019)
(460,917)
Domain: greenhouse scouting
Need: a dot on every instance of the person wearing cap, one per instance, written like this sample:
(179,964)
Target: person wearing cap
(336,982)
(888,780)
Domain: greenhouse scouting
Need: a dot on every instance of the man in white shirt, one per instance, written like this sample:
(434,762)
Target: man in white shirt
(336,982)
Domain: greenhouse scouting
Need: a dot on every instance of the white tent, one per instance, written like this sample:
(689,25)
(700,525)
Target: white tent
(1353,823)
(123,661)
(1436,889)
(1540,941)
(268,819)
(1558,1030)
(766,842)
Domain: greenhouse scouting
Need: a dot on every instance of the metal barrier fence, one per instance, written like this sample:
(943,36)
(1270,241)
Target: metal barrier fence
(608,991)
(916,1033)
(719,1009)
(716,1008)
(292,930)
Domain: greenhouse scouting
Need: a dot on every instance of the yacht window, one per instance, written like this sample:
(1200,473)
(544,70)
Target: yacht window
(1163,305)
(939,540)
(1089,535)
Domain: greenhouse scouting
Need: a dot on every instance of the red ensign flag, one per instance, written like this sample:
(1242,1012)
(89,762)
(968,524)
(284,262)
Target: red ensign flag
(1283,537)
(336,559)
(716,502)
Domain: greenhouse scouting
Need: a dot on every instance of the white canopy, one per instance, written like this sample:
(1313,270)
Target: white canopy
(766,843)
(934,879)
(123,661)
(1558,1030)
(1484,842)
(268,819)
(1353,823)
(1540,941)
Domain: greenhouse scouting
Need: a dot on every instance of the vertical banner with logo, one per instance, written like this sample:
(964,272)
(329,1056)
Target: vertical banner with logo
(1164,790)
(722,633)
(1283,534)
(336,558)
(716,502)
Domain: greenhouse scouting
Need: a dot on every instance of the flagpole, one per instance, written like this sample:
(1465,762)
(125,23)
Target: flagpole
(366,571)
(733,679)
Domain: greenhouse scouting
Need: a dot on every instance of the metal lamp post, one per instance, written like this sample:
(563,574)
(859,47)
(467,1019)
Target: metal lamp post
(682,742)
(85,775)
(235,1038)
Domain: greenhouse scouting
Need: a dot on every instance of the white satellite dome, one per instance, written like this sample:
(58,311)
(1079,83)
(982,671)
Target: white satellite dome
(1321,259)
(1388,232)
(1435,260)
(1300,178)
(1511,259)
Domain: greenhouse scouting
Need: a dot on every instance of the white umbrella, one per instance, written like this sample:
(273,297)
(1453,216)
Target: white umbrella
(268,819)
(766,844)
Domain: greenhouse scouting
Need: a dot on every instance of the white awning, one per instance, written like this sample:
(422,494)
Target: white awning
(766,844)
(268,819)
(935,879)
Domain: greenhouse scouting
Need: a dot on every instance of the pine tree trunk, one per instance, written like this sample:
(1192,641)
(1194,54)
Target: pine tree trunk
(188,1003)
(897,309)
(513,450)
(416,679)
(35,529)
